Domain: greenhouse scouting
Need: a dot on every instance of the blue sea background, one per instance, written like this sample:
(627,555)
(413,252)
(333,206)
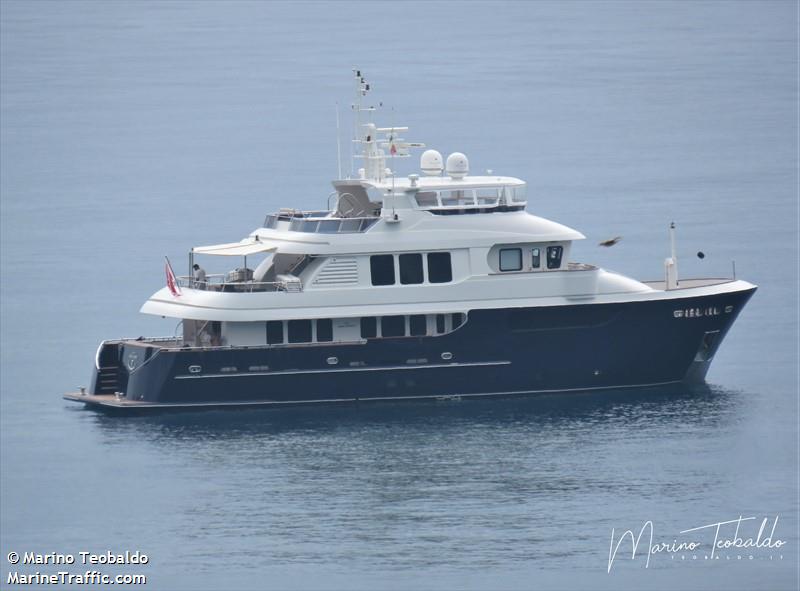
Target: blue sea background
(134,130)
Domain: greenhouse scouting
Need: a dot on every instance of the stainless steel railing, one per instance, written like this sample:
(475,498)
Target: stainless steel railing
(217,282)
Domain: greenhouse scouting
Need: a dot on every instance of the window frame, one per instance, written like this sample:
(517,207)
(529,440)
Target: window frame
(439,254)
(399,320)
(329,323)
(500,259)
(408,256)
(415,318)
(292,326)
(373,261)
(274,324)
(364,322)
(548,259)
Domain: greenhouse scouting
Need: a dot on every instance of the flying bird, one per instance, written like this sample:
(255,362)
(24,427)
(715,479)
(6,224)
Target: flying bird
(610,241)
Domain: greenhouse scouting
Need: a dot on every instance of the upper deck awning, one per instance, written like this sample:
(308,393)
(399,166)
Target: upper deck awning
(244,248)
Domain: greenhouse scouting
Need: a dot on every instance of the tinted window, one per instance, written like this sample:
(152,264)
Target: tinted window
(369,327)
(427,199)
(554,256)
(439,267)
(274,332)
(487,196)
(458,320)
(440,323)
(459,197)
(382,268)
(536,258)
(410,268)
(418,325)
(299,331)
(510,259)
(393,326)
(324,330)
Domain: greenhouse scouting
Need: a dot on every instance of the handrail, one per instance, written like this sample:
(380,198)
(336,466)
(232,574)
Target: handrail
(320,222)
(247,286)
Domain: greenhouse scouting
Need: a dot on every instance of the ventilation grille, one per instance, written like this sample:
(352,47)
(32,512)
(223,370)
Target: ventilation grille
(338,271)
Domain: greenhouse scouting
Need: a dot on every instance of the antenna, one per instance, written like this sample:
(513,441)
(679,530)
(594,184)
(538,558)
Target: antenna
(392,152)
(671,263)
(361,90)
(338,144)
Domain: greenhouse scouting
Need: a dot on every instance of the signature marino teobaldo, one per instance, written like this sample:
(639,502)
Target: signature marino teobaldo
(437,284)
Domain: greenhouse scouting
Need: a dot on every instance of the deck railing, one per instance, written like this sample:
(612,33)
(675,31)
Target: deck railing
(319,222)
(217,282)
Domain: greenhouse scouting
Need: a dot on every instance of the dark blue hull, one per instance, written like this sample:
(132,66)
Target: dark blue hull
(497,352)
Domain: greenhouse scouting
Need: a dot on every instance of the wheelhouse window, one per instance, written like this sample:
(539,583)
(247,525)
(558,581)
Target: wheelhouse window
(411,269)
(440,269)
(554,254)
(440,327)
(418,325)
(460,197)
(510,259)
(275,332)
(299,331)
(369,327)
(536,258)
(382,269)
(324,330)
(427,199)
(393,326)
(517,194)
(487,196)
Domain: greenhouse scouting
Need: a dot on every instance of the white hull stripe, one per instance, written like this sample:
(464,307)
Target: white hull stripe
(338,370)
(443,397)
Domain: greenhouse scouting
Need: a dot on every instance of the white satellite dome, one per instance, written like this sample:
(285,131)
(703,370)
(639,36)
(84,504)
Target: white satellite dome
(431,163)
(457,165)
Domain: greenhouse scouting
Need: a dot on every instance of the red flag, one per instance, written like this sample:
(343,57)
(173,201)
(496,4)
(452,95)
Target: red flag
(393,150)
(172,283)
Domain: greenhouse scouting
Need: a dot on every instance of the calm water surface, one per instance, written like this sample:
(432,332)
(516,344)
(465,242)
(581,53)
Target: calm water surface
(135,130)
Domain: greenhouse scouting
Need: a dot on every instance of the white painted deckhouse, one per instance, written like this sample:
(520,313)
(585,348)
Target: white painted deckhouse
(435,284)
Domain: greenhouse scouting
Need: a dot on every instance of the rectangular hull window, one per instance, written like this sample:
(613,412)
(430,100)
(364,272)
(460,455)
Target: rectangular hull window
(299,331)
(275,332)
(440,328)
(410,269)
(369,327)
(418,325)
(393,326)
(324,330)
(536,258)
(440,269)
(510,259)
(382,269)
(554,256)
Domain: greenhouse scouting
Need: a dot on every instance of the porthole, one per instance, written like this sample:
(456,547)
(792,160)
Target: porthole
(332,360)
(447,355)
(195,369)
